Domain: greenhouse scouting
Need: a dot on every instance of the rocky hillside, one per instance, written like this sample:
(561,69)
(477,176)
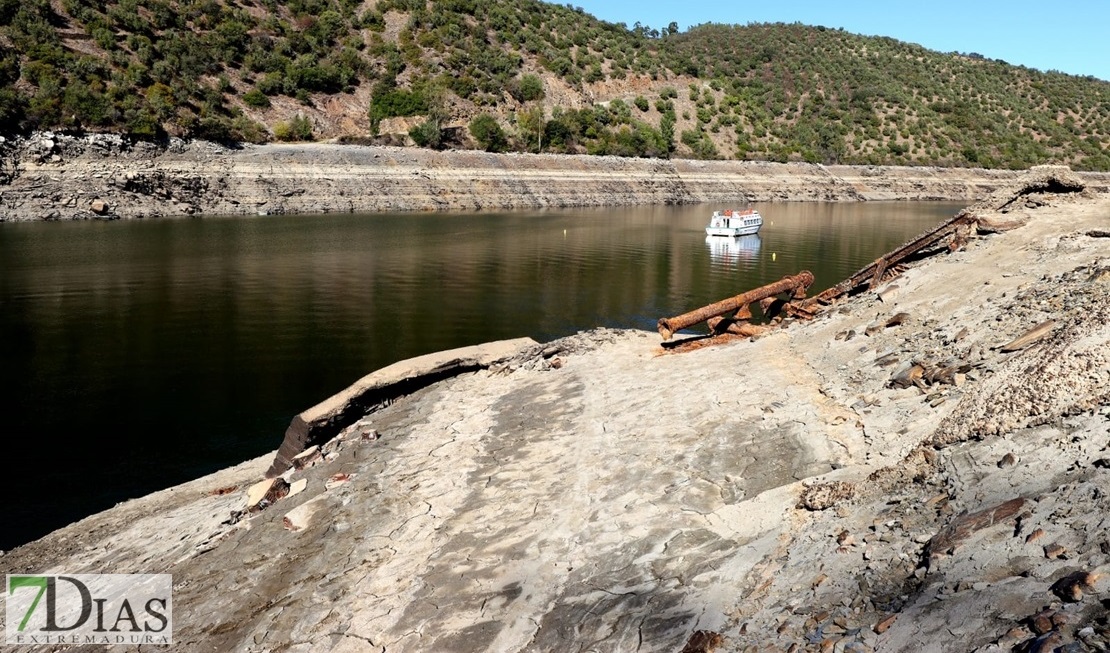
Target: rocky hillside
(530,76)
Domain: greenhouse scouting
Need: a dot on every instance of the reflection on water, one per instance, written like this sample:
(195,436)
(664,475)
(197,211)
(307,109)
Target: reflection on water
(725,250)
(193,342)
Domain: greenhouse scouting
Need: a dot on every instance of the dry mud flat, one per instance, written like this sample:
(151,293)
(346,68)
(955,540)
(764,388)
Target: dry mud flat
(61,177)
(808,490)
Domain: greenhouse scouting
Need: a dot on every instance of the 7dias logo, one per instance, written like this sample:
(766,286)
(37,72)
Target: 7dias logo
(88,609)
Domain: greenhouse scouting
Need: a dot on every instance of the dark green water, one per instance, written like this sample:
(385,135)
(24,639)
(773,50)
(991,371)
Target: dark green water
(138,355)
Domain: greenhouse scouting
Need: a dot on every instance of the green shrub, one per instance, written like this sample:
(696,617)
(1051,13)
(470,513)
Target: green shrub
(12,109)
(527,88)
(297,129)
(256,98)
(427,134)
(487,131)
(391,102)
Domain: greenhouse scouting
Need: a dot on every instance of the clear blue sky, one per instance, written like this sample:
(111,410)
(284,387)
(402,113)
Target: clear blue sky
(1072,36)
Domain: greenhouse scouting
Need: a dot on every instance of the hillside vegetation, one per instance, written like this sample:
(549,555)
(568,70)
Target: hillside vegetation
(530,76)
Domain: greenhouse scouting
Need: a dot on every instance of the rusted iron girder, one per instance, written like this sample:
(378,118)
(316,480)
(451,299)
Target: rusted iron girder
(872,274)
(797,284)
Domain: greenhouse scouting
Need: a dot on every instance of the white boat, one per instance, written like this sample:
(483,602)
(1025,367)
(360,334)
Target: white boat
(734,223)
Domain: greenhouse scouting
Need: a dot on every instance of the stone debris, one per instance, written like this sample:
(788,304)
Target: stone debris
(963,527)
(885,624)
(302,516)
(297,486)
(1054,551)
(337,479)
(307,458)
(1070,588)
(1036,334)
(265,493)
(822,496)
(703,641)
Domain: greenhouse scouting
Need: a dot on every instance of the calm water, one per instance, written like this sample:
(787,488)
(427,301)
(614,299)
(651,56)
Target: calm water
(137,355)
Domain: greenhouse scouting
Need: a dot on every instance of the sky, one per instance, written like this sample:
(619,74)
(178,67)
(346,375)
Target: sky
(1071,36)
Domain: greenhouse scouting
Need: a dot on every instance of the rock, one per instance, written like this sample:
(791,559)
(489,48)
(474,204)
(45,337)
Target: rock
(1034,535)
(325,420)
(885,624)
(1030,337)
(297,486)
(910,374)
(822,496)
(897,319)
(337,480)
(1041,622)
(1054,551)
(997,224)
(264,493)
(887,294)
(845,539)
(99,207)
(958,531)
(1007,461)
(302,516)
(703,641)
(1046,643)
(1070,587)
(307,458)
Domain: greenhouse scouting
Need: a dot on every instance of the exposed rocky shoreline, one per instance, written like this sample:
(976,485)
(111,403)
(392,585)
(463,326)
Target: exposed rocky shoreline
(52,176)
(925,466)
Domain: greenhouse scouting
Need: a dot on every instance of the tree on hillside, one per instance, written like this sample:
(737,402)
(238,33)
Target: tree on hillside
(486,130)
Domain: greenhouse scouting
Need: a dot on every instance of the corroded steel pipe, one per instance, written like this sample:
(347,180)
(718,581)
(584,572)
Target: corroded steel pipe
(668,325)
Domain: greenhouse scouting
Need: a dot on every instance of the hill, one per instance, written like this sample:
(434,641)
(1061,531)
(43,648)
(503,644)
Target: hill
(528,76)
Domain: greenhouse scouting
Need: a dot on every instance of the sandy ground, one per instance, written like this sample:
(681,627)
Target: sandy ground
(601,493)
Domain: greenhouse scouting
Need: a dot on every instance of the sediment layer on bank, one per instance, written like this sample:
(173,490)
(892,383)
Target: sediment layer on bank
(61,177)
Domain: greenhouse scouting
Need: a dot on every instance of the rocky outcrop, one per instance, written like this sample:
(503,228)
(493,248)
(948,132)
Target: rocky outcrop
(382,387)
(61,177)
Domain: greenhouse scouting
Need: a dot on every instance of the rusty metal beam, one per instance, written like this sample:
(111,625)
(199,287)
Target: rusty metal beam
(872,274)
(799,282)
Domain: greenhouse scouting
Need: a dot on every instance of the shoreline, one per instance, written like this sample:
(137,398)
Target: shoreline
(59,177)
(778,491)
